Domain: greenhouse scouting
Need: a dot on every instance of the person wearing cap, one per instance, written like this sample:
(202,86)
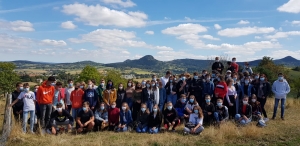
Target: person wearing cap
(45,96)
(228,75)
(247,68)
(217,65)
(235,65)
(165,78)
(61,117)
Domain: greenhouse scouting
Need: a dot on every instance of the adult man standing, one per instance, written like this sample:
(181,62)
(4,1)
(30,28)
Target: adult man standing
(165,79)
(45,96)
(18,107)
(235,65)
(217,65)
(280,88)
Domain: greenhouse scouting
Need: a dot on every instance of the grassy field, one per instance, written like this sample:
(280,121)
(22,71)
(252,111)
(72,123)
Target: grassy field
(277,132)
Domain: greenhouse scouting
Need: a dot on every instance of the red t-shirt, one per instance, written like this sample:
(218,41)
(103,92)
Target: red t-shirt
(244,109)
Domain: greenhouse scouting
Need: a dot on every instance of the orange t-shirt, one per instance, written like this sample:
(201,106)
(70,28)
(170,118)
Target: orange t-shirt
(77,98)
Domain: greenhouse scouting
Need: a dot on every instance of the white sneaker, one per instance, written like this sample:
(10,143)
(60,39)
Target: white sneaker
(266,119)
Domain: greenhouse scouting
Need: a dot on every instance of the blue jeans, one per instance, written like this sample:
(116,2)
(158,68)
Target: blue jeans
(25,117)
(218,117)
(74,112)
(129,102)
(150,105)
(282,107)
(198,130)
(123,129)
(172,98)
(156,130)
(242,122)
(140,129)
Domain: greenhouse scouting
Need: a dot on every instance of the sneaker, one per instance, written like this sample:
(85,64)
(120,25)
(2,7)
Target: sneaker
(266,119)
(282,118)
(185,133)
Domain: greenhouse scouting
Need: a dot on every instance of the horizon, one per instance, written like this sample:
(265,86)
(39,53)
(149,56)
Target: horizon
(111,31)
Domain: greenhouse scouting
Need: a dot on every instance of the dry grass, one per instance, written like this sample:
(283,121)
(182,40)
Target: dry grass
(277,132)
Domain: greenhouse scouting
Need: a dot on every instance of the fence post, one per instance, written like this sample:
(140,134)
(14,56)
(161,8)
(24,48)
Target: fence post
(7,122)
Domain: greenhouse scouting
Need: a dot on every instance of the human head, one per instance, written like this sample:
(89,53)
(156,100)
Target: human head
(86,106)
(102,82)
(219,102)
(198,110)
(253,98)
(280,76)
(70,83)
(148,84)
(169,105)
(59,107)
(143,107)
(19,86)
(77,85)
(82,85)
(245,100)
(204,72)
(125,107)
(222,79)
(26,87)
(168,73)
(93,81)
(233,59)
(138,86)
(229,82)
(121,87)
(58,86)
(160,84)
(113,104)
(153,83)
(51,81)
(110,84)
(183,98)
(156,109)
(193,99)
(129,84)
(247,64)
(234,76)
(263,77)
(36,87)
(154,77)
(217,59)
(207,98)
(102,107)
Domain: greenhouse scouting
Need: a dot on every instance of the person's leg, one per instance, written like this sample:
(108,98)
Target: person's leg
(237,117)
(174,99)
(282,107)
(43,113)
(25,116)
(48,114)
(138,129)
(16,115)
(176,124)
(237,104)
(90,126)
(69,108)
(74,113)
(169,98)
(125,129)
(216,115)
(263,102)
(144,130)
(166,126)
(199,130)
(97,125)
(275,107)
(156,130)
(187,130)
(32,116)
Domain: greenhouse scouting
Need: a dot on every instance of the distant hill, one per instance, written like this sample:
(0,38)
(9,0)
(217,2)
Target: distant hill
(147,62)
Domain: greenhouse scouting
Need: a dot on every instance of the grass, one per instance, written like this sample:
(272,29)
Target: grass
(277,132)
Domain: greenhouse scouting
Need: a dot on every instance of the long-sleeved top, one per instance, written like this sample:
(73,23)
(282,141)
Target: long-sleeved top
(208,88)
(235,66)
(125,117)
(221,89)
(45,94)
(150,94)
(154,120)
(142,118)
(256,107)
(162,96)
(101,116)
(61,117)
(184,89)
(137,95)
(170,87)
(208,108)
(231,91)
(196,87)
(248,69)
(195,119)
(156,95)
(170,116)
(100,90)
(121,95)
(77,98)
(113,115)
(246,90)
(190,106)
(91,96)
(222,111)
(217,65)
(261,89)
(281,89)
(109,96)
(179,106)
(247,111)
(19,105)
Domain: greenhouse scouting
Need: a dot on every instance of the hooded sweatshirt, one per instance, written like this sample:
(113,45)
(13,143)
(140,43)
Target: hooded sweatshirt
(45,94)
(221,89)
(281,89)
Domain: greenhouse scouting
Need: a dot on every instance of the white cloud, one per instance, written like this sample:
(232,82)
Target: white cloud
(164,48)
(257,37)
(171,55)
(296,22)
(182,29)
(278,35)
(18,25)
(209,37)
(283,53)
(292,6)
(242,22)
(125,52)
(96,15)
(149,32)
(56,43)
(217,26)
(68,25)
(8,42)
(126,3)
(243,31)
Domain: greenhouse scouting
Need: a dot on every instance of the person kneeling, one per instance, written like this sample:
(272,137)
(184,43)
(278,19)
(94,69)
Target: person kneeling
(59,118)
(101,118)
(142,119)
(221,112)
(245,112)
(85,118)
(155,119)
(125,118)
(194,126)
(170,117)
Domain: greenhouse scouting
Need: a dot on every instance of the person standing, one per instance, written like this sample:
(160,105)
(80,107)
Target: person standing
(129,93)
(45,96)
(247,68)
(100,90)
(18,107)
(196,88)
(109,94)
(77,100)
(280,88)
(59,96)
(217,65)
(235,65)
(165,79)
(90,96)
(137,100)
(68,91)
(171,91)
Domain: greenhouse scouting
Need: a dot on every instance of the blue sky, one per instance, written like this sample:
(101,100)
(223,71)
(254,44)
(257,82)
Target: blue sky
(108,31)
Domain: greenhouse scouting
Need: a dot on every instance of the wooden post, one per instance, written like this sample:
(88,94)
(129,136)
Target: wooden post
(7,122)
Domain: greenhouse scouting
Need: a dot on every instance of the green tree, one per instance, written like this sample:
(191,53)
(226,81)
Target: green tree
(116,77)
(8,77)
(89,73)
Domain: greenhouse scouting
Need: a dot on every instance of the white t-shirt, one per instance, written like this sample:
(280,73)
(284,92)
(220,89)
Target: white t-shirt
(164,81)
(194,118)
(68,95)
(28,99)
(95,87)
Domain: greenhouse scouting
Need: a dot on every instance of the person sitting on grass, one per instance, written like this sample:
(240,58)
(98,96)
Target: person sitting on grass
(113,116)
(171,117)
(245,112)
(142,119)
(256,108)
(85,118)
(190,106)
(61,117)
(180,106)
(195,124)
(154,120)
(221,112)
(125,118)
(101,117)
(208,110)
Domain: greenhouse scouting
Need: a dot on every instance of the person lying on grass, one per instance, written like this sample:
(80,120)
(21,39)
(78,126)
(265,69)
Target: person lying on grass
(245,112)
(85,118)
(61,117)
(194,126)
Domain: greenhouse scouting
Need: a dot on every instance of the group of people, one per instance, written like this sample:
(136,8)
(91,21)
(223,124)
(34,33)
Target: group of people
(193,100)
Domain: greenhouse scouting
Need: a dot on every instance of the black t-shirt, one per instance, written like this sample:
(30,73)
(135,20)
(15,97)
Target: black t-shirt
(63,117)
(85,116)
(246,89)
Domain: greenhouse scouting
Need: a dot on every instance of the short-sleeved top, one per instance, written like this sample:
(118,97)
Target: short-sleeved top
(85,116)
(194,118)
(28,99)
(55,99)
(68,95)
